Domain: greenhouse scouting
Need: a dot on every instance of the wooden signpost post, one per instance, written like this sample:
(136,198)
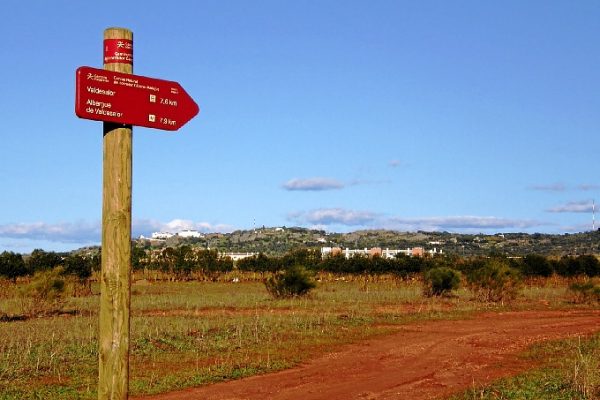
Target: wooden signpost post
(120,99)
(115,278)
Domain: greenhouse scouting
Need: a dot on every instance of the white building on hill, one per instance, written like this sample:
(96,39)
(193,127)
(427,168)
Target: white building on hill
(186,233)
(189,233)
(162,235)
(376,251)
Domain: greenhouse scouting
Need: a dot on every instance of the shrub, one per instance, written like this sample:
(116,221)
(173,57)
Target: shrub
(45,294)
(294,281)
(587,265)
(441,281)
(586,292)
(536,265)
(495,281)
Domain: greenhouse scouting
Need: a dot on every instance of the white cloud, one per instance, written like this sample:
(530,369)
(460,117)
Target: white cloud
(147,226)
(85,232)
(313,184)
(584,206)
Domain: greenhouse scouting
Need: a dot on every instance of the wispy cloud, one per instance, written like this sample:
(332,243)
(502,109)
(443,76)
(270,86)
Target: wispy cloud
(357,182)
(338,216)
(553,187)
(461,223)
(587,187)
(60,232)
(584,206)
(395,163)
(334,216)
(313,184)
(561,187)
(578,228)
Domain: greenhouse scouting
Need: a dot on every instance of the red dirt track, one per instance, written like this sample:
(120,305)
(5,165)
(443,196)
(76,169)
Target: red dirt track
(428,360)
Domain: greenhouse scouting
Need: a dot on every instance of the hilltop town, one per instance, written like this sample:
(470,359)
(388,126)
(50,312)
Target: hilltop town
(279,240)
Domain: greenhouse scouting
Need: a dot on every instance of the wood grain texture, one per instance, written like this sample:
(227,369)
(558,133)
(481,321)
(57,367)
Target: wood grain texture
(115,281)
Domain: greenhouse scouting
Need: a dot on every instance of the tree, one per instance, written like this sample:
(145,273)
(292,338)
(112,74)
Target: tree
(257,263)
(40,260)
(78,266)
(589,265)
(582,265)
(167,259)
(137,257)
(335,264)
(211,263)
(183,260)
(306,257)
(12,265)
(405,265)
(536,265)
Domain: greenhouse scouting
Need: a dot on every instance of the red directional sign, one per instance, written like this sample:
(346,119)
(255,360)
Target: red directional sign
(128,99)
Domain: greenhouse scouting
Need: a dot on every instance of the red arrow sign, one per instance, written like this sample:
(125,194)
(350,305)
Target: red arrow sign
(132,99)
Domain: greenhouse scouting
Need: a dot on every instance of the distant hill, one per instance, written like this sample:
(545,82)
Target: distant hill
(278,241)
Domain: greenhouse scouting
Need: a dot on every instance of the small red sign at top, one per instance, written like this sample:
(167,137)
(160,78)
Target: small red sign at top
(118,51)
(128,99)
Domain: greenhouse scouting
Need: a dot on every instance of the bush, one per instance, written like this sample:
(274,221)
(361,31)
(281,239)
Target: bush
(441,281)
(586,292)
(45,294)
(536,265)
(584,265)
(294,281)
(495,281)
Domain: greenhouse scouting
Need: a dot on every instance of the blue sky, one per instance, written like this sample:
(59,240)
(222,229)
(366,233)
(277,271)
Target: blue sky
(463,116)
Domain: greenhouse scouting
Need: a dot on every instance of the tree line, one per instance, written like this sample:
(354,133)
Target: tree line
(185,261)
(14,265)
(532,265)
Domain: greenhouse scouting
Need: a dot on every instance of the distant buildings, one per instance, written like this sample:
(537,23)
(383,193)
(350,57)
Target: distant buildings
(189,233)
(376,251)
(186,233)
(161,235)
(237,256)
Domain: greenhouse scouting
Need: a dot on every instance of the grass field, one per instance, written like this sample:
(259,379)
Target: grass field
(570,371)
(185,334)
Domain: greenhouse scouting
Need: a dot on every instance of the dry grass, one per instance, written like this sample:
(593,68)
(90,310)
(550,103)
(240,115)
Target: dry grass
(191,333)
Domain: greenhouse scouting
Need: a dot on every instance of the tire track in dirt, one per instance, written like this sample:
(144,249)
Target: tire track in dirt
(421,361)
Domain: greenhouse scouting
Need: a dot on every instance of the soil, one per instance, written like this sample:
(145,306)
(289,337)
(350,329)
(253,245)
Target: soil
(428,360)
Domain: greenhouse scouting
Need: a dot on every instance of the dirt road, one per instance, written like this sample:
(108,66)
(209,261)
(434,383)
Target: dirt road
(421,361)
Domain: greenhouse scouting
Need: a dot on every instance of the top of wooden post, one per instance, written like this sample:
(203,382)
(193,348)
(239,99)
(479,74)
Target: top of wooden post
(118,50)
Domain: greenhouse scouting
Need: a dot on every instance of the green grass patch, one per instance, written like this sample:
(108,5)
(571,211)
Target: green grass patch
(569,370)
